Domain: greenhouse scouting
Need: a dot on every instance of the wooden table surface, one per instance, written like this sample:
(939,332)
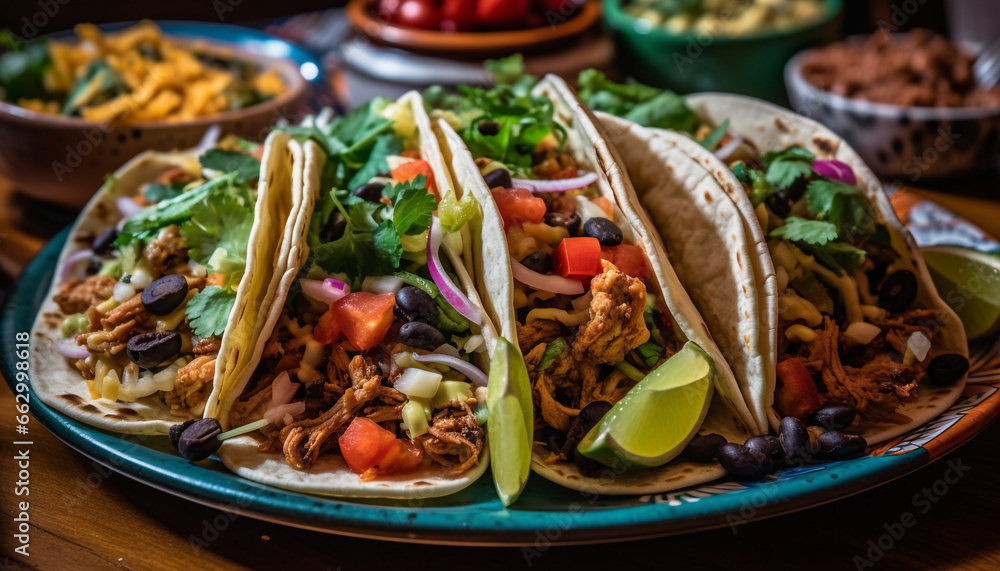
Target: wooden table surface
(84,517)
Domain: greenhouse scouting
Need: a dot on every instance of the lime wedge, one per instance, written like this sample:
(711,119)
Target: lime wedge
(969,282)
(655,420)
(510,424)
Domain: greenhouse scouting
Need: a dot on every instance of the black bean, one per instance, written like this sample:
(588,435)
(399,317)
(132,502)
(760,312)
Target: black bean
(834,416)
(946,369)
(703,448)
(420,336)
(334,228)
(898,291)
(488,128)
(165,294)
(780,203)
(177,429)
(538,262)
(836,445)
(744,463)
(499,177)
(414,304)
(94,266)
(607,232)
(589,416)
(104,241)
(767,445)
(370,191)
(794,440)
(149,350)
(200,440)
(570,221)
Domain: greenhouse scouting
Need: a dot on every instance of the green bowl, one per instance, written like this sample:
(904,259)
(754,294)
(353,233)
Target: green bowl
(692,62)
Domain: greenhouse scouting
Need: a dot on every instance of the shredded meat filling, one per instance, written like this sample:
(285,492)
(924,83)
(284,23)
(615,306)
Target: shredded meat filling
(192,387)
(167,250)
(76,296)
(454,438)
(873,379)
(616,323)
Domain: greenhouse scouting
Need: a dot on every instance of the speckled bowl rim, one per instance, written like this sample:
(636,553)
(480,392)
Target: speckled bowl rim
(796,82)
(289,69)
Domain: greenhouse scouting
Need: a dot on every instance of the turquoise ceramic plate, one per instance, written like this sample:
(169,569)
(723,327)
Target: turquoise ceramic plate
(545,513)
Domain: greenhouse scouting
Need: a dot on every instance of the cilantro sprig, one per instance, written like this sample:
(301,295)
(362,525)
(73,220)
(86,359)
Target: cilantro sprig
(208,311)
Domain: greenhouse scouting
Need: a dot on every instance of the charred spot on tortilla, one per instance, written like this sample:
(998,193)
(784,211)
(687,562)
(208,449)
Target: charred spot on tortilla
(73,399)
(825,145)
(128,411)
(89,408)
(708,196)
(84,236)
(781,125)
(116,416)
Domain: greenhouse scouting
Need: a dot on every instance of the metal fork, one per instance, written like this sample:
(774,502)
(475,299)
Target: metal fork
(986,68)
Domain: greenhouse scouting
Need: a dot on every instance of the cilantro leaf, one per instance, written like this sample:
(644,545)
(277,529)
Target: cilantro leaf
(22,69)
(385,145)
(220,223)
(839,255)
(175,210)
(387,244)
(844,206)
(650,353)
(321,215)
(208,311)
(243,167)
(411,213)
(787,166)
(154,193)
(813,232)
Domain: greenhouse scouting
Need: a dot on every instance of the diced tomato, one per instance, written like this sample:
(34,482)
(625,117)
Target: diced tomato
(495,13)
(215,280)
(417,14)
(364,317)
(364,443)
(631,260)
(409,171)
(518,205)
(411,154)
(578,258)
(605,205)
(408,456)
(326,331)
(797,395)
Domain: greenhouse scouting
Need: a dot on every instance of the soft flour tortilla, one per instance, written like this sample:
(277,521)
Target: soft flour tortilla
(60,385)
(672,173)
(728,414)
(707,236)
(330,475)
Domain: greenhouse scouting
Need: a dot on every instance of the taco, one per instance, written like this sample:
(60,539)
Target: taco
(162,283)
(597,306)
(790,228)
(372,382)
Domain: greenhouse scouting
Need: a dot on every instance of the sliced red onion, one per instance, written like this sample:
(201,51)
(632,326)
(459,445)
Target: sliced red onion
(543,282)
(66,271)
(471,371)
(729,148)
(556,185)
(70,349)
(283,389)
(285,410)
(449,290)
(836,170)
(127,207)
(326,291)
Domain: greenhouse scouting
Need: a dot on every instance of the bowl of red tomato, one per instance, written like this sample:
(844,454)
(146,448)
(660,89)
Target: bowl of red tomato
(473,28)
